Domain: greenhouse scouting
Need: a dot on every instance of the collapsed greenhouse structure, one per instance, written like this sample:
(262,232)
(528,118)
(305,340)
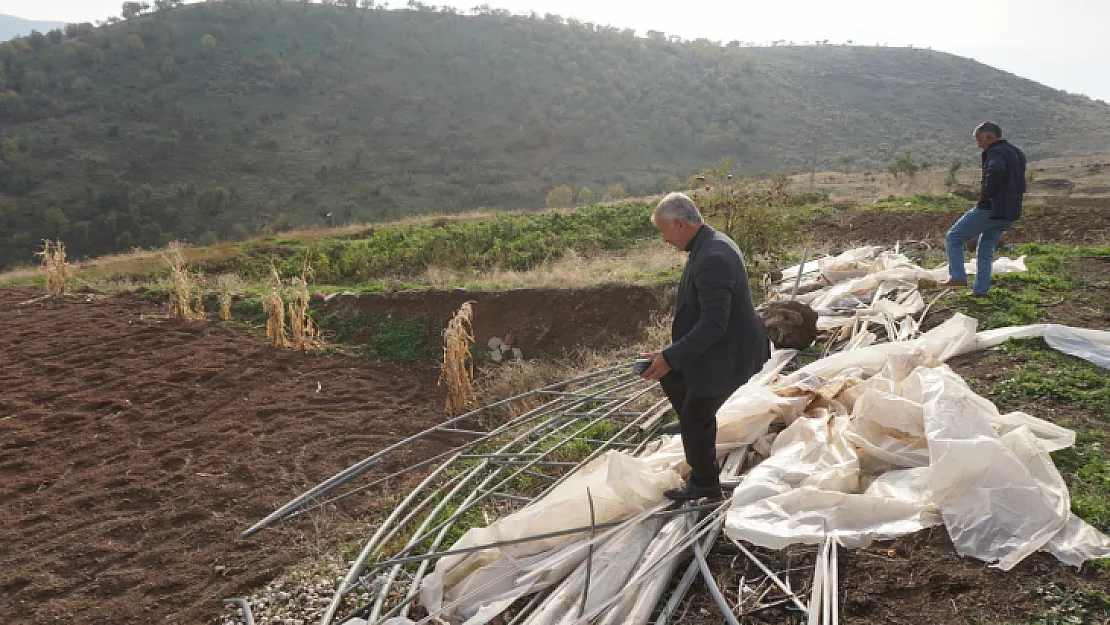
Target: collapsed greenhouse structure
(874,438)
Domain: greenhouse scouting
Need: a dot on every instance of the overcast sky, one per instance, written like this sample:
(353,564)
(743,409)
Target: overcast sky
(1061,43)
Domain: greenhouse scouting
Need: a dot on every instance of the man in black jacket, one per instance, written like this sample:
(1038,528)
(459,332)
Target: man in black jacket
(718,340)
(999,208)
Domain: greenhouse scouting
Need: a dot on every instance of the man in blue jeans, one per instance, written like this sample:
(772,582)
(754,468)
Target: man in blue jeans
(999,207)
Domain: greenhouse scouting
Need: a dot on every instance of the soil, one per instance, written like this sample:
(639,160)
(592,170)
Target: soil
(842,230)
(543,321)
(915,579)
(134,449)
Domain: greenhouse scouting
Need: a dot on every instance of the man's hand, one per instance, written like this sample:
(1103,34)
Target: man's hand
(658,368)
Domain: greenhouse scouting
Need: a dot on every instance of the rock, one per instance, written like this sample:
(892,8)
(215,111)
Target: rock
(790,324)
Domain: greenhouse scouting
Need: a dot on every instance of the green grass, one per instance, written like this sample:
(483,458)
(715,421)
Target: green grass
(1086,468)
(1047,374)
(343,327)
(1023,298)
(1064,606)
(518,242)
(918,203)
(407,340)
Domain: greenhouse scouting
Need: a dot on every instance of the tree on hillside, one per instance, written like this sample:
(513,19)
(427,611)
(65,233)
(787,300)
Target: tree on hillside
(613,193)
(134,44)
(212,202)
(951,181)
(56,224)
(561,196)
(904,165)
(585,197)
(133,9)
(168,68)
(164,6)
(207,45)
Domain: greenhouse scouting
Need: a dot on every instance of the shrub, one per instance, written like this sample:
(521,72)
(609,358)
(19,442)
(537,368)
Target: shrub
(561,196)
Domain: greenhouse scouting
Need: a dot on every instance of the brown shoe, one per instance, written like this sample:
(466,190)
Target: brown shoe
(948,284)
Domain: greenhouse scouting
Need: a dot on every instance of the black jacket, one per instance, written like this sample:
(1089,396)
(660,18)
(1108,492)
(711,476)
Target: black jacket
(1003,180)
(718,339)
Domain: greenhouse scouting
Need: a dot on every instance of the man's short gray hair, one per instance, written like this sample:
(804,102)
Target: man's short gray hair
(989,128)
(678,206)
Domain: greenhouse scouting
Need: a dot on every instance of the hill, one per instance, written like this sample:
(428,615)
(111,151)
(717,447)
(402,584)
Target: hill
(218,120)
(12,26)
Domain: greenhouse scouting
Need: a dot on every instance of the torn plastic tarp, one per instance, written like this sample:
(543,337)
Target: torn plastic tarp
(621,487)
(868,282)
(999,266)
(923,444)
(610,568)
(1090,345)
(636,607)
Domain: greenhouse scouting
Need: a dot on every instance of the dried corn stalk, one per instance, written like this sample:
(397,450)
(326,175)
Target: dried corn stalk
(226,284)
(306,336)
(458,365)
(183,290)
(57,269)
(274,306)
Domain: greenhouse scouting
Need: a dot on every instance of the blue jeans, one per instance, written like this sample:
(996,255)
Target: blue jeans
(975,222)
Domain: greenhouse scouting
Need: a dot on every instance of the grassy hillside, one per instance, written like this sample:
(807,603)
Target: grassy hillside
(219,120)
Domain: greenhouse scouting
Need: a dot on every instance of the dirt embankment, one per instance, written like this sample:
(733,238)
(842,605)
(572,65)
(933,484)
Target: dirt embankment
(540,321)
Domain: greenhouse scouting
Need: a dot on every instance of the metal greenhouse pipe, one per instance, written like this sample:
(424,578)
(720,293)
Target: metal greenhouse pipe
(364,465)
(532,415)
(348,583)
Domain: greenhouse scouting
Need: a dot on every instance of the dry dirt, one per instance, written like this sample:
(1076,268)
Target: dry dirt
(909,581)
(1089,225)
(134,450)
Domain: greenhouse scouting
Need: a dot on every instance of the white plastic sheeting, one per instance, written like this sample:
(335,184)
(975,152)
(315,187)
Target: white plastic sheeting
(868,282)
(480,585)
(636,607)
(893,441)
(1090,345)
(612,565)
(880,442)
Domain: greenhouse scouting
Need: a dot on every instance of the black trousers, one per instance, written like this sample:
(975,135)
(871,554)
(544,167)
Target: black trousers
(697,418)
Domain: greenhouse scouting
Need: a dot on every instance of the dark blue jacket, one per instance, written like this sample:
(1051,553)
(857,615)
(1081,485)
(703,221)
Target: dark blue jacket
(1003,180)
(719,339)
